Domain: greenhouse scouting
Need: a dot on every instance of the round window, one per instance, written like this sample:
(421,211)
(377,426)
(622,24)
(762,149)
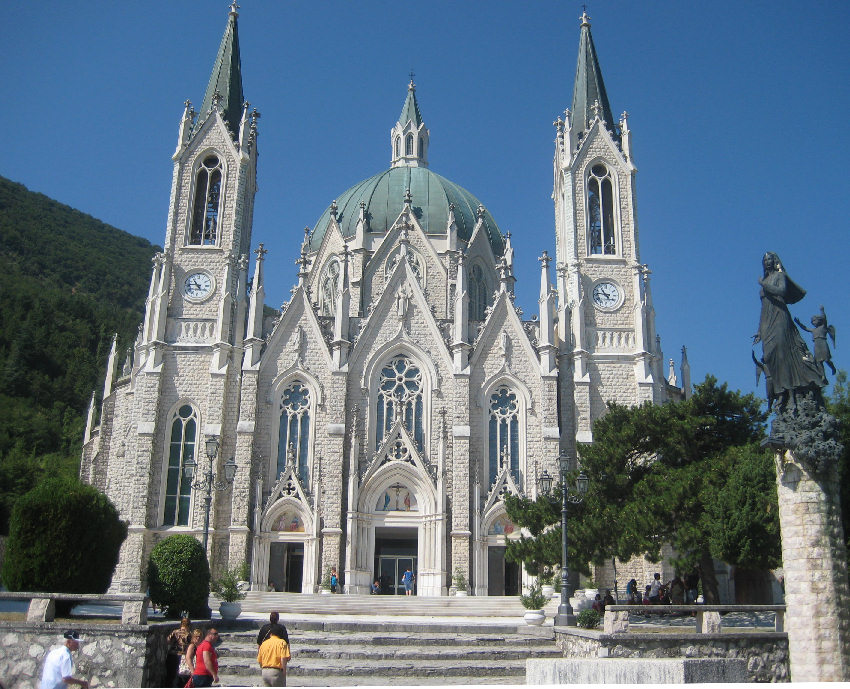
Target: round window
(599,170)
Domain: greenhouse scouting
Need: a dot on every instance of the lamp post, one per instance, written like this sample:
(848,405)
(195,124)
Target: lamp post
(565,617)
(208,480)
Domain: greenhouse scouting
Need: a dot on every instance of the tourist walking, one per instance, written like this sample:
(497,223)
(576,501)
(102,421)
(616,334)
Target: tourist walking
(187,662)
(273,625)
(655,589)
(178,641)
(407,579)
(273,655)
(58,670)
(206,660)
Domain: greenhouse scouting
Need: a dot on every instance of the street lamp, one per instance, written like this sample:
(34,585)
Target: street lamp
(565,617)
(208,480)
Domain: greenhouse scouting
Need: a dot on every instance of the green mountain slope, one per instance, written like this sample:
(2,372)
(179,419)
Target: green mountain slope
(67,283)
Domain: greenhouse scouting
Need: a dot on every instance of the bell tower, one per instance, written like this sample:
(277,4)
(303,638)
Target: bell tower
(607,322)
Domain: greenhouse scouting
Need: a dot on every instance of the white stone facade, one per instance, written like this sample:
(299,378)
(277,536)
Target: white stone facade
(379,420)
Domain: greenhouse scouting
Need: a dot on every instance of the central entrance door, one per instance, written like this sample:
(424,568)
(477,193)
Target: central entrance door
(502,576)
(395,552)
(286,566)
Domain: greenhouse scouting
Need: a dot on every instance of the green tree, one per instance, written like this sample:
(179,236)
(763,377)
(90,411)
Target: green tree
(179,576)
(676,468)
(540,553)
(838,404)
(64,537)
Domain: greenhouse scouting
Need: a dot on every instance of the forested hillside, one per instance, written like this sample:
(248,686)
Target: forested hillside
(67,283)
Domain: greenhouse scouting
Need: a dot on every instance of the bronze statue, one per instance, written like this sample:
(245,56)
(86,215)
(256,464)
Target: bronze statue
(819,333)
(792,368)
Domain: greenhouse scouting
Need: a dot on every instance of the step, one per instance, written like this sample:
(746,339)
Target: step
(383,668)
(253,680)
(301,639)
(346,652)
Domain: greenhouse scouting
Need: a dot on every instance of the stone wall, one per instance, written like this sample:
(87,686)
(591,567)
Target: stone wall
(766,653)
(111,655)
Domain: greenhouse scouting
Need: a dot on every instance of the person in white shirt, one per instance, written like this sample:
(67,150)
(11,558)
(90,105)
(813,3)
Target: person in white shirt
(655,589)
(58,670)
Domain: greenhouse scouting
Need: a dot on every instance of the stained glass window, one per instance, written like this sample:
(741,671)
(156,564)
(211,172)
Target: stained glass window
(400,395)
(294,436)
(503,432)
(181,446)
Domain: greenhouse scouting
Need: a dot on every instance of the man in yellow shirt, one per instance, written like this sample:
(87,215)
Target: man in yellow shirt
(273,657)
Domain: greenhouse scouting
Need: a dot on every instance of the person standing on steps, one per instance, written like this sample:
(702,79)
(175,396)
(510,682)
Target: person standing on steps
(334,580)
(271,627)
(206,660)
(407,579)
(273,655)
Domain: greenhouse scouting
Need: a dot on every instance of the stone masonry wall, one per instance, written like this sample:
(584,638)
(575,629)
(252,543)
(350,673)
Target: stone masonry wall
(766,653)
(113,655)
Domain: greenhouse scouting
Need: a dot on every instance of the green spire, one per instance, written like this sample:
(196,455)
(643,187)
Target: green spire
(226,77)
(410,110)
(589,90)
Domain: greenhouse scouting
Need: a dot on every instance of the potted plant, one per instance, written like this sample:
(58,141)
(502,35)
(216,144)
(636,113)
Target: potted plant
(226,587)
(533,602)
(547,582)
(244,576)
(459,581)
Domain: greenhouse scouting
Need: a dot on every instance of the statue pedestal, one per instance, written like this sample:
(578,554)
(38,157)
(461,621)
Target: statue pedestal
(815,562)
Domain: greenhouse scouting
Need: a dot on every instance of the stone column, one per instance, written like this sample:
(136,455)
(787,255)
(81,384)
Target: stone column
(815,563)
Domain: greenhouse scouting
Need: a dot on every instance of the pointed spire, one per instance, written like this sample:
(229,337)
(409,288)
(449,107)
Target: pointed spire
(226,77)
(410,110)
(409,138)
(589,89)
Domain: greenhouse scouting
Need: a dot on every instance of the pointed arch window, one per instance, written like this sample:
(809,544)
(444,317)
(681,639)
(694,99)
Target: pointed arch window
(477,294)
(408,145)
(182,446)
(600,209)
(205,215)
(421,148)
(400,396)
(330,286)
(504,427)
(398,147)
(293,446)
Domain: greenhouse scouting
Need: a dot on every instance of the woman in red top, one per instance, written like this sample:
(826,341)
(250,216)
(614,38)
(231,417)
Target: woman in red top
(206,661)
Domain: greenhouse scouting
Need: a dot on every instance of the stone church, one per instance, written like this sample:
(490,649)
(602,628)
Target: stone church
(377,420)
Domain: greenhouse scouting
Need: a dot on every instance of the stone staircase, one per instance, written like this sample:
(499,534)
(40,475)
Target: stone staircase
(344,640)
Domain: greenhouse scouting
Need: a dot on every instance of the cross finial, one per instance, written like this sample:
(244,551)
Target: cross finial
(216,100)
(595,108)
(261,252)
(234,8)
(411,85)
(334,209)
(544,259)
(585,20)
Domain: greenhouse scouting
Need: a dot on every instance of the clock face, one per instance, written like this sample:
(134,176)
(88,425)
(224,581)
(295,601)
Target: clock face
(198,285)
(606,295)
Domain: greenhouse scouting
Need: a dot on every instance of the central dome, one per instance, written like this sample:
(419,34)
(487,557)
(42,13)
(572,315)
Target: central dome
(432,194)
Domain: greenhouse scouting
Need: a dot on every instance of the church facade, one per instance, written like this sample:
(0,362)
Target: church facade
(377,421)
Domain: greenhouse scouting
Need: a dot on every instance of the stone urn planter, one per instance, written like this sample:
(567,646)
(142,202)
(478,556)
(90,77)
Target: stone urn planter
(325,590)
(461,593)
(548,590)
(534,617)
(229,611)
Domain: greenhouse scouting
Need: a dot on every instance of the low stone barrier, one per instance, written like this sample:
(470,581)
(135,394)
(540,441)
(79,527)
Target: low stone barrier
(42,607)
(635,671)
(765,653)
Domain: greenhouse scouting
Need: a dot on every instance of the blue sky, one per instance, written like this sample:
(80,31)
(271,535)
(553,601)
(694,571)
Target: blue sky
(737,110)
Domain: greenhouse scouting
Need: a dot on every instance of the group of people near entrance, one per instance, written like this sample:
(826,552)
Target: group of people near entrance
(675,592)
(193,660)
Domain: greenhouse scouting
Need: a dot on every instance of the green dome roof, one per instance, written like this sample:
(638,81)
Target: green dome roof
(384,193)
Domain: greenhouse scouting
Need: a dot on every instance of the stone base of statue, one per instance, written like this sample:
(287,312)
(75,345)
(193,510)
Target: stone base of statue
(817,596)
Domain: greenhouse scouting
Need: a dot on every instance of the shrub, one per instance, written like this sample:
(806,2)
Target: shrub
(459,580)
(226,586)
(179,576)
(534,600)
(64,537)
(588,619)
